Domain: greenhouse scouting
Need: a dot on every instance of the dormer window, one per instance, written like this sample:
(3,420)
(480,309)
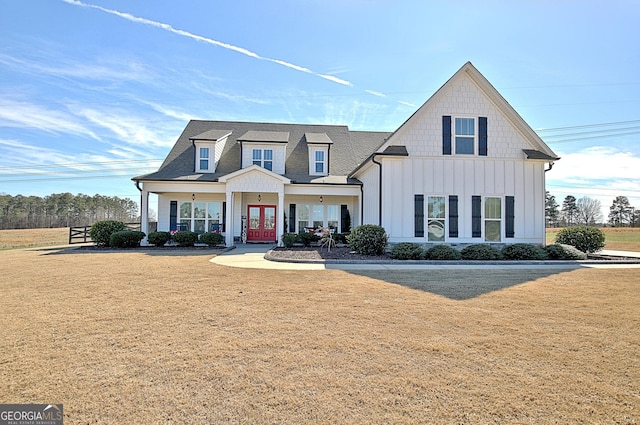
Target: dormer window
(204,159)
(208,149)
(318,145)
(263,158)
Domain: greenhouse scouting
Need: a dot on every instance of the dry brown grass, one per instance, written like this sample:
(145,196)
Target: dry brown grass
(159,338)
(23,238)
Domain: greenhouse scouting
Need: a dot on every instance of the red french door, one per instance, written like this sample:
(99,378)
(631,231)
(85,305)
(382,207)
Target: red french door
(262,223)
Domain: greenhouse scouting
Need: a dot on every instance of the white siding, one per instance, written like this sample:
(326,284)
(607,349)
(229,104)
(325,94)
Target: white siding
(370,180)
(279,152)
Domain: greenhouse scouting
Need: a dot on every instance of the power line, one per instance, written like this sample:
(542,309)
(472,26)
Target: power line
(79,164)
(575,127)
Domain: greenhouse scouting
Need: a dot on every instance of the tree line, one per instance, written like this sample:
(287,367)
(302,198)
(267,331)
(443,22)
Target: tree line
(63,210)
(587,211)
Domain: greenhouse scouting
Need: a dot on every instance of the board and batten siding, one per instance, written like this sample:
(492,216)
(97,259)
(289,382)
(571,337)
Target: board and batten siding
(370,195)
(404,178)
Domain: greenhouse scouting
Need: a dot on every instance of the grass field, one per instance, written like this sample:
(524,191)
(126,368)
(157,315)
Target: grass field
(25,238)
(173,339)
(617,238)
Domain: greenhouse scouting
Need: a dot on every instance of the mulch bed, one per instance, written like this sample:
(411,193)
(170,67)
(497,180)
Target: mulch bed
(318,253)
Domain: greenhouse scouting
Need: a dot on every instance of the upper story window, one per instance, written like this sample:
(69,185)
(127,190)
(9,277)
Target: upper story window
(320,164)
(465,136)
(263,158)
(204,159)
(319,161)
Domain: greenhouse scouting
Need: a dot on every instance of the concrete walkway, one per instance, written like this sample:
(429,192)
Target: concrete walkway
(251,256)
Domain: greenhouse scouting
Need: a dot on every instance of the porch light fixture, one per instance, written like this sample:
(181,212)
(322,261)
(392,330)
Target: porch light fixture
(321,198)
(193,196)
(259,197)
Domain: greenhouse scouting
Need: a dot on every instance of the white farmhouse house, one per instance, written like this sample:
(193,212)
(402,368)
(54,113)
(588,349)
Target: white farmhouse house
(464,168)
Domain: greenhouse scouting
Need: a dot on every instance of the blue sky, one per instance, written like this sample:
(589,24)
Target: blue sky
(95,92)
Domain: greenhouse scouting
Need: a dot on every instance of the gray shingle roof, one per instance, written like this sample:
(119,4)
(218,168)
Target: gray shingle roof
(534,154)
(348,150)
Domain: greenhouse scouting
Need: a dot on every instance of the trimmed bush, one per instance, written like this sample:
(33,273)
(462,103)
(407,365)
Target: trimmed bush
(101,231)
(442,252)
(288,239)
(185,238)
(564,252)
(523,251)
(407,251)
(159,238)
(126,239)
(307,238)
(368,239)
(481,251)
(586,238)
(212,238)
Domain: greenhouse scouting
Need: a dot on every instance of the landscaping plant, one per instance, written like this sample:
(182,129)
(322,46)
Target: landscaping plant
(368,239)
(407,251)
(126,239)
(523,251)
(101,231)
(442,252)
(185,238)
(586,238)
(212,238)
(159,238)
(481,251)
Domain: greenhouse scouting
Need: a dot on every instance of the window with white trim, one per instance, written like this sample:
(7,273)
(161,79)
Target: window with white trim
(492,219)
(436,218)
(319,215)
(465,136)
(318,161)
(200,217)
(204,159)
(263,158)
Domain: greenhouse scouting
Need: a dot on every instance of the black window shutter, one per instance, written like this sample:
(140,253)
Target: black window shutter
(344,212)
(453,216)
(418,207)
(446,135)
(224,217)
(476,216)
(510,212)
(173,216)
(292,218)
(482,140)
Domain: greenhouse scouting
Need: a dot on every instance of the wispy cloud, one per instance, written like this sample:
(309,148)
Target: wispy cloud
(376,93)
(26,115)
(183,33)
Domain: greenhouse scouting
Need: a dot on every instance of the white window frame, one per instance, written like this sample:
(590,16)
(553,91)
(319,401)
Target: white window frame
(209,210)
(316,215)
(490,218)
(433,218)
(210,159)
(313,162)
(262,162)
(455,135)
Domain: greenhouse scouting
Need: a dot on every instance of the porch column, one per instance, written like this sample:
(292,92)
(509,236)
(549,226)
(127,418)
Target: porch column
(144,215)
(229,224)
(280,220)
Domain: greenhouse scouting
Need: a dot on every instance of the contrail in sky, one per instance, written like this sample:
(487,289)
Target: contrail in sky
(227,46)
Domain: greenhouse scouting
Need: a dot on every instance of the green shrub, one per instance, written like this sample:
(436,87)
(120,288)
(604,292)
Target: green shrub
(159,238)
(564,252)
(407,251)
(307,238)
(481,252)
(185,238)
(368,239)
(101,231)
(585,238)
(212,239)
(523,251)
(126,239)
(341,237)
(443,252)
(288,239)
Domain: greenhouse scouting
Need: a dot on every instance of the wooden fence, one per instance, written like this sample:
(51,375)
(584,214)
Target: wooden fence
(80,234)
